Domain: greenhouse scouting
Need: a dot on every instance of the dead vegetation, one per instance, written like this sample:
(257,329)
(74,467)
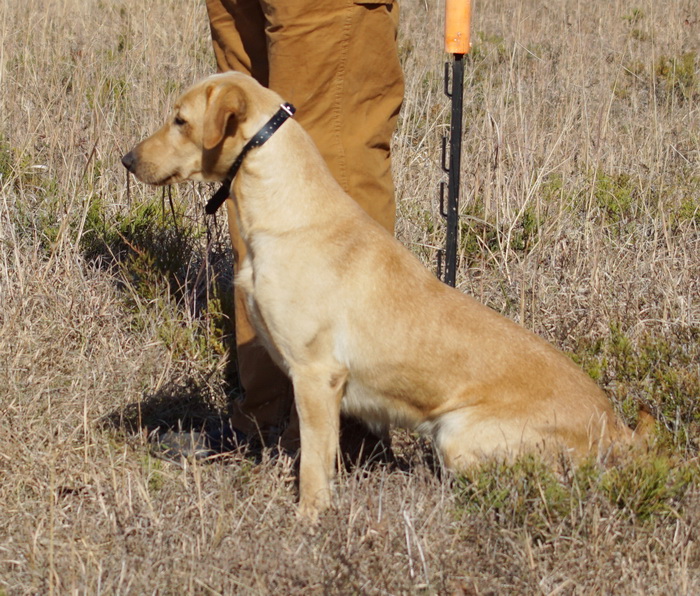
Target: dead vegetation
(580,219)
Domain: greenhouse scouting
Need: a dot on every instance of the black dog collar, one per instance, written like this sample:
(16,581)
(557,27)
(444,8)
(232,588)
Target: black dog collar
(286,111)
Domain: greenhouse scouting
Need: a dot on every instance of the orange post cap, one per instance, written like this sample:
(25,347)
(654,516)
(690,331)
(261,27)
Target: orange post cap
(458,15)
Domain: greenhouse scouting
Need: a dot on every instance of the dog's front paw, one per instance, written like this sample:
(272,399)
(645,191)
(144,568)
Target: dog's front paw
(308,513)
(310,507)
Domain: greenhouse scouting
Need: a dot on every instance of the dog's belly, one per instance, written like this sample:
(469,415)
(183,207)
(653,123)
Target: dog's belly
(376,410)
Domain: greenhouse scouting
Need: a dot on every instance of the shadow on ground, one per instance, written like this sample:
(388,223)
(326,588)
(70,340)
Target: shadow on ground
(178,405)
(186,417)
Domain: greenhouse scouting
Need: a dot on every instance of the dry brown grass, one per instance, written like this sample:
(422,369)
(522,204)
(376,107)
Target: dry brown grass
(580,219)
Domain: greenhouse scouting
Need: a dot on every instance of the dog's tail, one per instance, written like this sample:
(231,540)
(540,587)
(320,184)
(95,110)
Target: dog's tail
(646,427)
(626,441)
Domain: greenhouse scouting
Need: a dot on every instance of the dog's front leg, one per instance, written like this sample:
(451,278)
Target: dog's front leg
(318,391)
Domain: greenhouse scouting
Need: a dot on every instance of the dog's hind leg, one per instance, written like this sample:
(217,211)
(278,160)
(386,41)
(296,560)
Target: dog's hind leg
(318,391)
(464,438)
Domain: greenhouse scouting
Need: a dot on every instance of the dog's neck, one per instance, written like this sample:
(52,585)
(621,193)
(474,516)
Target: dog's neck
(288,165)
(263,135)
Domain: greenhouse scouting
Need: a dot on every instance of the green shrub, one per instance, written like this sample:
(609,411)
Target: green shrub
(531,494)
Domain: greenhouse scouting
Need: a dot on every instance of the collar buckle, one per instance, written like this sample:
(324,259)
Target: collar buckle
(288,108)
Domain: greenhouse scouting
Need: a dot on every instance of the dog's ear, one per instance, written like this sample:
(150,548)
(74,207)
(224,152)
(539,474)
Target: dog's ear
(223,102)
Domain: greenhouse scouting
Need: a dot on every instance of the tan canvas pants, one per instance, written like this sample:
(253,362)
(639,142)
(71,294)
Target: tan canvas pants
(337,62)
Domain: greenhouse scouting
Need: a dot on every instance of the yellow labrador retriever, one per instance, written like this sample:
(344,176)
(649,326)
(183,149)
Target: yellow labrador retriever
(353,317)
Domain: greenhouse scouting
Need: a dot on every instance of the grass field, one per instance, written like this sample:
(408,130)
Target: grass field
(580,219)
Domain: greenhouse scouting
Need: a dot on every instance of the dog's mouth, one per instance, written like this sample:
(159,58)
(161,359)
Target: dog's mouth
(177,176)
(173,178)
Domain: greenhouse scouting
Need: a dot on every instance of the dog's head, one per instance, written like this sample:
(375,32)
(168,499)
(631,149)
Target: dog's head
(208,127)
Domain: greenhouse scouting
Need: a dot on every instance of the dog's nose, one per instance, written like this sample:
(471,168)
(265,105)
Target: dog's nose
(129,161)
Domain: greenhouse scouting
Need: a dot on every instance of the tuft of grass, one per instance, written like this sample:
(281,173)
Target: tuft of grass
(529,494)
(689,210)
(616,197)
(145,241)
(6,160)
(615,201)
(678,75)
(650,487)
(153,470)
(670,78)
(526,493)
(154,249)
(634,16)
(479,236)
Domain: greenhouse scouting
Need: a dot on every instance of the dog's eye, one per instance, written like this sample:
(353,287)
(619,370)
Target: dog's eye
(179,121)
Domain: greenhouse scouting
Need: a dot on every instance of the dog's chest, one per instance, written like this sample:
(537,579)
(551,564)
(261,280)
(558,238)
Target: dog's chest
(245,283)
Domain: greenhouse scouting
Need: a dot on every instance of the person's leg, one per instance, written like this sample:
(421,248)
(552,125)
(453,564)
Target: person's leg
(375,87)
(337,62)
(238,36)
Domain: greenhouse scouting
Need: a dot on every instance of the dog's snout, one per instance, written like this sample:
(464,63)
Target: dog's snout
(129,161)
